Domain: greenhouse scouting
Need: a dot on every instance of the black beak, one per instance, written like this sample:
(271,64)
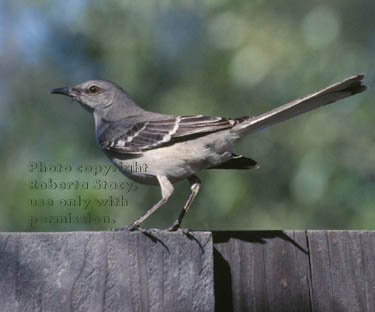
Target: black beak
(63,91)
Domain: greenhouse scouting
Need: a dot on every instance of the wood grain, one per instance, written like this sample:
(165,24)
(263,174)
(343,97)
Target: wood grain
(314,271)
(295,271)
(106,271)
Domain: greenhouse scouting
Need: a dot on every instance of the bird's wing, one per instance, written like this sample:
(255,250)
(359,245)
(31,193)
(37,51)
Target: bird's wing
(146,135)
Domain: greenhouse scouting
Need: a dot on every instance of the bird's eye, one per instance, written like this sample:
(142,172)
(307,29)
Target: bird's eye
(93,89)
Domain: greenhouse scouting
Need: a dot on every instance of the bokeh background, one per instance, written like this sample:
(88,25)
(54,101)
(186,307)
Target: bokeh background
(215,57)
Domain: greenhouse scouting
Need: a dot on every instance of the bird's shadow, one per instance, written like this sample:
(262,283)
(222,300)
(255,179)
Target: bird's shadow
(222,269)
(259,237)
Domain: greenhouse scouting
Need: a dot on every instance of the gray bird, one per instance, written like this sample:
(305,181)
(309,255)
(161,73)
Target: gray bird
(175,148)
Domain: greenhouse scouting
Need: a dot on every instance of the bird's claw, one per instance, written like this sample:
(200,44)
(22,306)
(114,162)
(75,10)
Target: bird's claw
(175,227)
(130,227)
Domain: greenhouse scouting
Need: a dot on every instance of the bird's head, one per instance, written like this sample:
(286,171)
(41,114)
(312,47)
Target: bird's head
(93,95)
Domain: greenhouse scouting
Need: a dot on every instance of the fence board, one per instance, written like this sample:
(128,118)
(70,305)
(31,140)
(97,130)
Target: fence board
(314,271)
(106,271)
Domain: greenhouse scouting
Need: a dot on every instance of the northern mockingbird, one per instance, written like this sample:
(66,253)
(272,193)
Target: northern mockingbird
(177,147)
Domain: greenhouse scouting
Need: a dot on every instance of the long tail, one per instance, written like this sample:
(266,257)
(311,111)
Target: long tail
(338,91)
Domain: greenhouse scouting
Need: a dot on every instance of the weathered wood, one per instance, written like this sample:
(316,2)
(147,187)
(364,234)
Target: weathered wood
(268,271)
(343,270)
(295,271)
(280,271)
(106,271)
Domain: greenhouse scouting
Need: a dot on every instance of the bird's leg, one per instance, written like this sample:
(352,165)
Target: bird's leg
(166,192)
(195,184)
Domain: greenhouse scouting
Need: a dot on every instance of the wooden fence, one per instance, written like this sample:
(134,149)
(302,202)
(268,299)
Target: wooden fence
(203,271)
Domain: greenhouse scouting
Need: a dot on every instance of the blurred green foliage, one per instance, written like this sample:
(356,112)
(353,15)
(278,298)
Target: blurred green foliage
(223,58)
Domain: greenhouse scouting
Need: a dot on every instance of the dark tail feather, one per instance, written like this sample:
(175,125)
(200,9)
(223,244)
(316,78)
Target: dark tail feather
(238,162)
(338,91)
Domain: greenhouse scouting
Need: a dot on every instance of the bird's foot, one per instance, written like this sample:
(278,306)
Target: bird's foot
(176,227)
(130,227)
